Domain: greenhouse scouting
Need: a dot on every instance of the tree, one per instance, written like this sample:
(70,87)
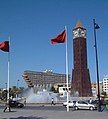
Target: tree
(104,94)
(4,95)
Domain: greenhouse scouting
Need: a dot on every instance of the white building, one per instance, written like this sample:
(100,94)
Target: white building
(63,91)
(105,84)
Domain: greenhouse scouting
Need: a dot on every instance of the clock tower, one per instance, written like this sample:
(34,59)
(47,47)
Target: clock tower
(80,74)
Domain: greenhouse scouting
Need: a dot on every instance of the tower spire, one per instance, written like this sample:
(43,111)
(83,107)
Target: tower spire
(79,24)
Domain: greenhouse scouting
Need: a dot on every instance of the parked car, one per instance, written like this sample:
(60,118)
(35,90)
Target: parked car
(69,103)
(85,105)
(16,104)
(81,105)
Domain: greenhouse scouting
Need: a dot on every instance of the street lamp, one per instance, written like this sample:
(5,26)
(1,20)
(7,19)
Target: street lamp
(17,83)
(6,86)
(96,26)
(17,87)
(6,91)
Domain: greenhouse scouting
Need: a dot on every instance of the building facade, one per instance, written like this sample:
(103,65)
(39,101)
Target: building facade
(43,80)
(80,74)
(62,88)
(105,84)
(95,88)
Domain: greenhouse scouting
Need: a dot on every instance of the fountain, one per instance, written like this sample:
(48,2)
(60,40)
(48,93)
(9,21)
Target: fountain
(43,96)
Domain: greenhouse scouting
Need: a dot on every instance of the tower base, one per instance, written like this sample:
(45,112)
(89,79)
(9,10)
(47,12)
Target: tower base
(81,83)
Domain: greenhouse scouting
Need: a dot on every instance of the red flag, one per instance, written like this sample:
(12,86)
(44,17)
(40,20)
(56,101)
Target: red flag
(4,46)
(61,38)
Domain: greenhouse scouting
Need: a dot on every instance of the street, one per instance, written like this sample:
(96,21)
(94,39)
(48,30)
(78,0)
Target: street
(50,112)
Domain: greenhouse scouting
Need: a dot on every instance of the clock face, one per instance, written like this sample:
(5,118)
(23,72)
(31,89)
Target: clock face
(75,33)
(79,33)
(83,33)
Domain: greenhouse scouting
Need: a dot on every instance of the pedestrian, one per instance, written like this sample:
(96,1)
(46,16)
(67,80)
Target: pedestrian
(74,105)
(103,106)
(90,101)
(7,106)
(52,101)
(25,101)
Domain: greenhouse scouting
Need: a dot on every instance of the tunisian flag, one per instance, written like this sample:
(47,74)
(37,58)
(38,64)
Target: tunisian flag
(61,38)
(4,46)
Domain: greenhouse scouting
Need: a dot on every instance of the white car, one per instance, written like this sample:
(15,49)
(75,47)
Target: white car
(80,105)
(69,103)
(84,105)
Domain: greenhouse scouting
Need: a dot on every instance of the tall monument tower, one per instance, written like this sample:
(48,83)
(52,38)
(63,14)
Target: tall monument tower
(80,74)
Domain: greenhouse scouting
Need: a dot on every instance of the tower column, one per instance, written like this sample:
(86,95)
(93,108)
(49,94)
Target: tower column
(80,74)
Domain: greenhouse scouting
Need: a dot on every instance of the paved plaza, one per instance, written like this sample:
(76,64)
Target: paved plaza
(51,112)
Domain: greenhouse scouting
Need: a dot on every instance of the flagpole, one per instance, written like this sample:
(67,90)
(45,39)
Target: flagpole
(97,68)
(8,82)
(67,73)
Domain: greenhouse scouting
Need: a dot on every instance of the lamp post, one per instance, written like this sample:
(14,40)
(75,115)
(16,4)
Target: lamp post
(97,69)
(6,91)
(18,83)
(17,87)
(6,85)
